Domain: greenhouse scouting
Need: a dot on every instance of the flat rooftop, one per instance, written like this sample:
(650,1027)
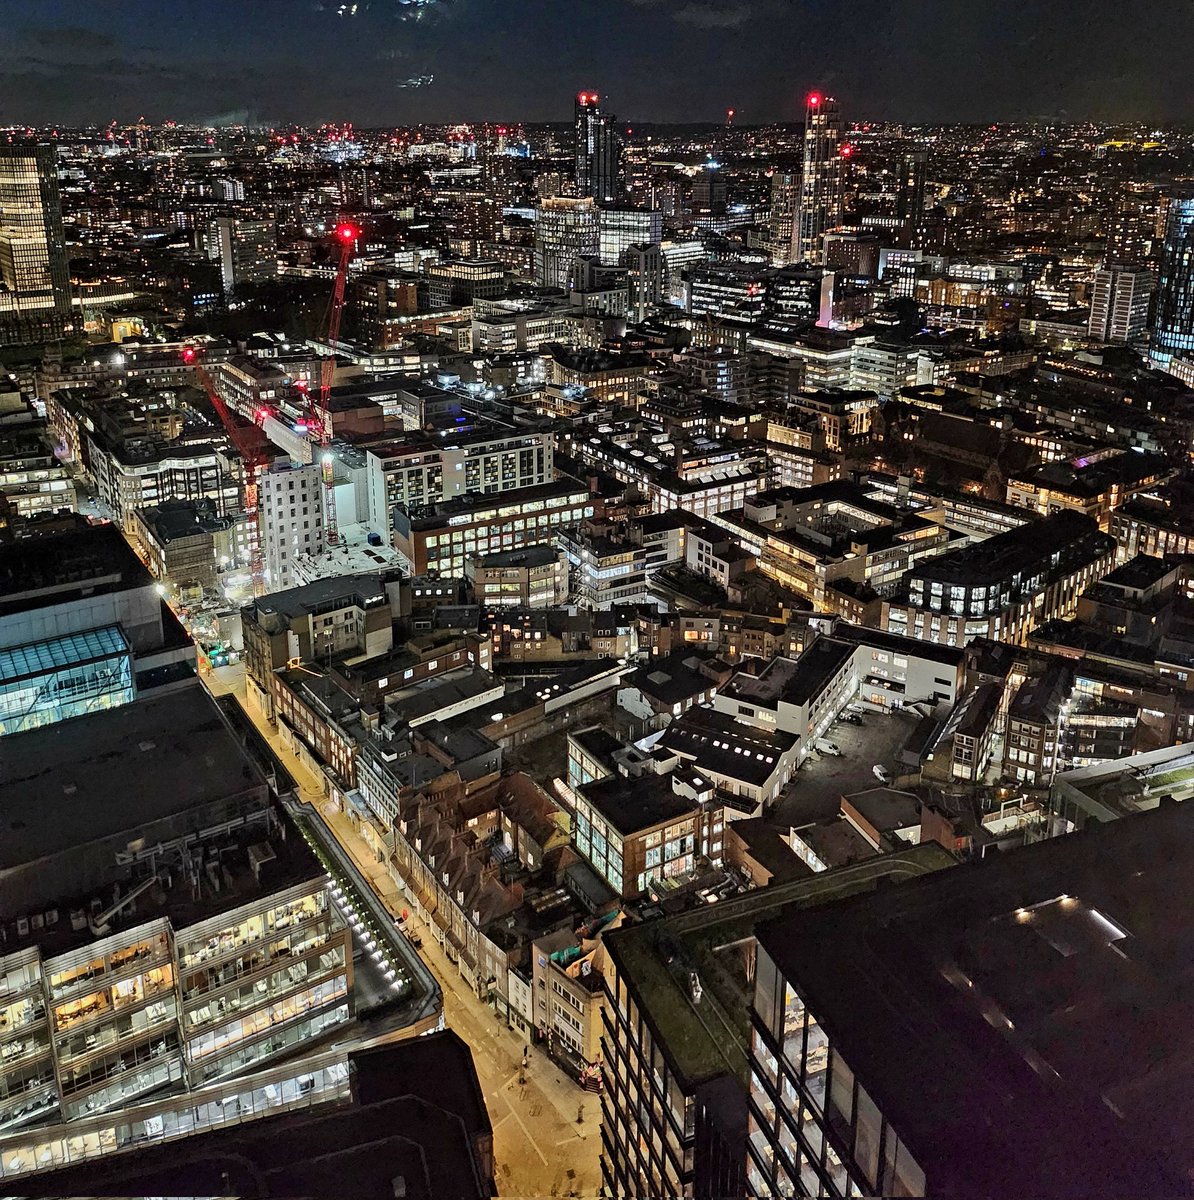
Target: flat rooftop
(120,769)
(655,958)
(59,567)
(532,556)
(481,506)
(1022,1023)
(1051,544)
(366,587)
(76,794)
(632,805)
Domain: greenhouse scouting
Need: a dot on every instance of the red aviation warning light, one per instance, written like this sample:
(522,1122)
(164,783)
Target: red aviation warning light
(346,232)
(847,150)
(814,99)
(188,354)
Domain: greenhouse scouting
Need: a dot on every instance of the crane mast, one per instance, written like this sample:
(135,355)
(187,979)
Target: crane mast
(251,445)
(320,418)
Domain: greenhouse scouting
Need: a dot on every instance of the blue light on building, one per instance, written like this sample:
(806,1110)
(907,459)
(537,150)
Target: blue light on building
(1173,329)
(45,682)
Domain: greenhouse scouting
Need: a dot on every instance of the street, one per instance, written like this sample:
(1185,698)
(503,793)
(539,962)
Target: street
(540,1149)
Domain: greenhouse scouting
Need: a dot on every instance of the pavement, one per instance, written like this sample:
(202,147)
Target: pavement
(540,1148)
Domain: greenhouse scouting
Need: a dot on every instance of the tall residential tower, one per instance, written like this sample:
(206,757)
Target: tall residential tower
(598,153)
(819,200)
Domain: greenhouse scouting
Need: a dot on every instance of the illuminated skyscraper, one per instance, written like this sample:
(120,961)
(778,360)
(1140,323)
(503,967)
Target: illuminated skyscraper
(1173,328)
(565,228)
(35,291)
(819,201)
(785,187)
(598,152)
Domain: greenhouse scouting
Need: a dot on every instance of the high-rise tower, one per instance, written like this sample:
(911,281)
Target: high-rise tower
(35,300)
(910,197)
(598,151)
(785,187)
(1173,327)
(819,201)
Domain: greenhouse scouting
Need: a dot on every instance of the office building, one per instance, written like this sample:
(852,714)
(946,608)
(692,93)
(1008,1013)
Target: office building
(621,230)
(1173,321)
(458,282)
(819,203)
(83,629)
(533,578)
(1005,1009)
(645,280)
(1005,586)
(853,254)
(35,303)
(638,830)
(732,296)
(1119,303)
(709,191)
(443,536)
(290,518)
(565,229)
(171,931)
(425,469)
(677,1035)
(598,172)
(245,250)
(299,1129)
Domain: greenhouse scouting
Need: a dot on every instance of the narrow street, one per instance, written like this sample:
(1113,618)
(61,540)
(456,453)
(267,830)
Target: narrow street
(540,1148)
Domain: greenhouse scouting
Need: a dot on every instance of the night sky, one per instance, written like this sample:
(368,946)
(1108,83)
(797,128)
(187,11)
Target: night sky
(279,61)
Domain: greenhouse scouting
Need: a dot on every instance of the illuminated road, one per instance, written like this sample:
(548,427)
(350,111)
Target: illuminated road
(539,1147)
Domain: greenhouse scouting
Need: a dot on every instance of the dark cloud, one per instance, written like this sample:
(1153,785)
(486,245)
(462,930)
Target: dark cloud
(66,39)
(712,14)
(76,61)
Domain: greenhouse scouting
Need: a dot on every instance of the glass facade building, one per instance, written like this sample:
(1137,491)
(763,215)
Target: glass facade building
(35,297)
(149,1008)
(813,1130)
(1173,325)
(44,682)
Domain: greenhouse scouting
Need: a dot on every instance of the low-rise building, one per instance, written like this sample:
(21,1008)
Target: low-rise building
(536,577)
(1003,587)
(647,829)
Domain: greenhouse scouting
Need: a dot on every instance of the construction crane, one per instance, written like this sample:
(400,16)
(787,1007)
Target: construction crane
(319,418)
(252,446)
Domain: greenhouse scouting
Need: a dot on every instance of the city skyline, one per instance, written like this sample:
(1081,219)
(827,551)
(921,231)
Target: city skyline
(393,62)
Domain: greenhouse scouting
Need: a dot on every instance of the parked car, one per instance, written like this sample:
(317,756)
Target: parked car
(852,719)
(855,707)
(825,746)
(882,774)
